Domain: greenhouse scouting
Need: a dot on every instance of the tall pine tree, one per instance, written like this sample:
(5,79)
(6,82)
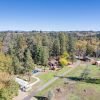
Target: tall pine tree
(56,48)
(38,54)
(17,68)
(28,61)
(62,39)
(71,48)
(45,56)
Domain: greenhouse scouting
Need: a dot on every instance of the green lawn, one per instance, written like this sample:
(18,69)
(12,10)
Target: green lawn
(94,71)
(80,90)
(46,76)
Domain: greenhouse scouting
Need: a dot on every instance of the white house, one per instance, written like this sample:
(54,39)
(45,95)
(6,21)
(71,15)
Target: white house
(24,85)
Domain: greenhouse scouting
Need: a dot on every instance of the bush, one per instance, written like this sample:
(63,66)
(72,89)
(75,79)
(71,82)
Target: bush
(9,91)
(63,62)
(64,59)
(65,55)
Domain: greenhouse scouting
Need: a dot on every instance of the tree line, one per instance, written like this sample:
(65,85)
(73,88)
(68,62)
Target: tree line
(21,51)
(28,49)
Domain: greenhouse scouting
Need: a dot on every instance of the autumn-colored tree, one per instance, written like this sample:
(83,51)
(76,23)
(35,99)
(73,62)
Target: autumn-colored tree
(81,47)
(64,59)
(5,62)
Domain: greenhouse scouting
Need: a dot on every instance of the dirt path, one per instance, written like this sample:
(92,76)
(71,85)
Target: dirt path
(20,95)
(50,82)
(37,80)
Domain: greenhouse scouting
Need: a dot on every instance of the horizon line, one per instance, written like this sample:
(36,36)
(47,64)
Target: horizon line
(48,30)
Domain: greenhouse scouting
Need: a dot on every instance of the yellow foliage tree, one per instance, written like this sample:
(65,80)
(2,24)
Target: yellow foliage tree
(81,45)
(65,55)
(5,62)
(4,77)
(5,69)
(64,59)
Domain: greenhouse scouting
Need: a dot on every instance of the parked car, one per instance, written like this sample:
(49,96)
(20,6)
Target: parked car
(35,71)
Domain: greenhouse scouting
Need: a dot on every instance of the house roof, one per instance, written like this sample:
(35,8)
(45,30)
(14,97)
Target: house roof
(53,61)
(98,61)
(21,82)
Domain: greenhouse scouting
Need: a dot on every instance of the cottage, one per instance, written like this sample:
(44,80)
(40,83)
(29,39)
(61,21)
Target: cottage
(53,64)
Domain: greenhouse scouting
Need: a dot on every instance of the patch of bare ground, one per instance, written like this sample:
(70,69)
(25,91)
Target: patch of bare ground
(71,91)
(90,94)
(61,92)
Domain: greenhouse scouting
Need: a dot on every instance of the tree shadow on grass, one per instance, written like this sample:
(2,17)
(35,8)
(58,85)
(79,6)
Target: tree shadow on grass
(87,80)
(41,98)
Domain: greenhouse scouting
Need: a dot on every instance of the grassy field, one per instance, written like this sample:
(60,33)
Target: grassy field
(46,76)
(77,88)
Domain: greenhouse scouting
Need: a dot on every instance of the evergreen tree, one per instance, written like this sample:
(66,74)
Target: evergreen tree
(28,61)
(38,54)
(45,40)
(16,65)
(56,48)
(45,56)
(62,39)
(71,48)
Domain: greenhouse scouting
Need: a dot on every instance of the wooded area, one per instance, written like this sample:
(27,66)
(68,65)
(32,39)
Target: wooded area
(19,51)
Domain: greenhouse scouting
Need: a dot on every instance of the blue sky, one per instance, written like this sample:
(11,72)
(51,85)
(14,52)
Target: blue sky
(49,15)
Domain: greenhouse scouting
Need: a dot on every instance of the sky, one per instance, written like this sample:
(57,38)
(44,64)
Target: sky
(50,15)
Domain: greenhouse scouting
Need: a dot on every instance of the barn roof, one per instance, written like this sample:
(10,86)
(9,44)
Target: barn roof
(21,82)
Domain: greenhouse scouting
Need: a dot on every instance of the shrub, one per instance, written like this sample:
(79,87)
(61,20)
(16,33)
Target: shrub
(65,55)
(64,59)
(9,91)
(63,62)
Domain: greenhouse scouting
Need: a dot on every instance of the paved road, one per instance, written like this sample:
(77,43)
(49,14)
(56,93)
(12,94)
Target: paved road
(50,82)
